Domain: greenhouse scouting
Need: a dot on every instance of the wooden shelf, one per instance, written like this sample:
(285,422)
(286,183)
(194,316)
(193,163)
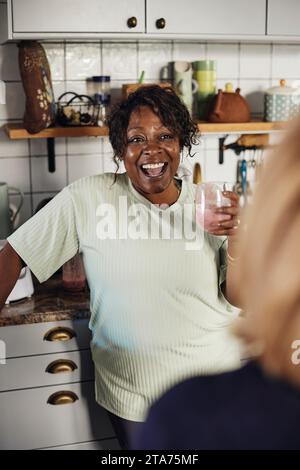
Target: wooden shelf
(16,131)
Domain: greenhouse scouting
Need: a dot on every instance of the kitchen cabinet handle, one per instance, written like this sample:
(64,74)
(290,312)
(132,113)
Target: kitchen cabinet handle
(61,365)
(59,333)
(132,22)
(64,397)
(160,23)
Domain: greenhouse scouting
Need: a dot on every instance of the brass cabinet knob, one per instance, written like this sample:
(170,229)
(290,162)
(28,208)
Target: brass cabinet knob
(61,365)
(59,333)
(62,398)
(160,23)
(132,22)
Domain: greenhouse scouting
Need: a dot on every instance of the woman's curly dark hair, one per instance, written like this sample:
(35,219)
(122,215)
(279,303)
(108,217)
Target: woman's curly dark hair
(165,104)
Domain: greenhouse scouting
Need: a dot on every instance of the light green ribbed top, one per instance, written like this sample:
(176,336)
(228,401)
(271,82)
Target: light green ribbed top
(158,315)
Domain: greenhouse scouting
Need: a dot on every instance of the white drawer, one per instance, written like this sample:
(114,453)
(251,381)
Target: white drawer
(29,422)
(45,370)
(28,340)
(106,444)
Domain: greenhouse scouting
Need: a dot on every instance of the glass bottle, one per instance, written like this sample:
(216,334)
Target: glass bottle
(74,279)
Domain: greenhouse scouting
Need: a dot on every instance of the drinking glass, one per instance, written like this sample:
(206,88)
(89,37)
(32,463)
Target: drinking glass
(209,196)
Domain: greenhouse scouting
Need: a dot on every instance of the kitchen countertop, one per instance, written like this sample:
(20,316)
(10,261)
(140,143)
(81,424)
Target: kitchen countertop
(50,302)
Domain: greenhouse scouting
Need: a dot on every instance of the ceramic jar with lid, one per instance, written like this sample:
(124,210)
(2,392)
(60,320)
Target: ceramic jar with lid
(281,102)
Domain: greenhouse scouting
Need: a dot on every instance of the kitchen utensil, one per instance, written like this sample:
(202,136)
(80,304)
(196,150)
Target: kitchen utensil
(8,212)
(281,103)
(205,76)
(23,288)
(101,86)
(197,174)
(209,196)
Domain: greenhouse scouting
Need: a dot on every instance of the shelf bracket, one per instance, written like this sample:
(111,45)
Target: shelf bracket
(221,149)
(51,154)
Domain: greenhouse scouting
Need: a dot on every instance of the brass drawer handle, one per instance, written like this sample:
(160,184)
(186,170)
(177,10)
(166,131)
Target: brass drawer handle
(62,398)
(160,23)
(132,22)
(59,333)
(61,365)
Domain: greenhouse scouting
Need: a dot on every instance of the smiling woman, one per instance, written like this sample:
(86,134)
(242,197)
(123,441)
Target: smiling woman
(148,132)
(159,310)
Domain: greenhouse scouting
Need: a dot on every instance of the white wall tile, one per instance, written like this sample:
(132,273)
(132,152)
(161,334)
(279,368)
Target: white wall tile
(59,87)
(255,61)
(120,60)
(84,146)
(56,57)
(253,91)
(38,147)
(12,148)
(9,65)
(227,57)
(15,172)
(152,57)
(15,102)
(216,172)
(189,51)
(43,180)
(87,165)
(285,61)
(82,60)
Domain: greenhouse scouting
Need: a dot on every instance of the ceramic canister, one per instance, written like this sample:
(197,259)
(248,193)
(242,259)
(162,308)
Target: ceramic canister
(205,75)
(184,84)
(281,102)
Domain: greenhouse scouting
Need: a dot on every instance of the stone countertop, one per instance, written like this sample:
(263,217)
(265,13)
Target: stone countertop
(50,302)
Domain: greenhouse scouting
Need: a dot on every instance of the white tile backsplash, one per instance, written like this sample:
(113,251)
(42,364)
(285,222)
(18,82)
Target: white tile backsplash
(82,60)
(119,60)
(15,172)
(56,58)
(15,102)
(286,61)
(152,57)
(189,51)
(9,65)
(252,67)
(84,165)
(43,180)
(84,146)
(227,58)
(255,61)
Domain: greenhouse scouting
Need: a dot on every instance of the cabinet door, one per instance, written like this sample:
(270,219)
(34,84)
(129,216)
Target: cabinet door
(69,16)
(283,17)
(215,17)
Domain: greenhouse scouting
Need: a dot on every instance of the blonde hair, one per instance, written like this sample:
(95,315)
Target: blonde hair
(269,268)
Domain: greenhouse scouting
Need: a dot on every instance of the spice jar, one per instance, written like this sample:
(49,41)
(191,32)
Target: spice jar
(101,87)
(74,275)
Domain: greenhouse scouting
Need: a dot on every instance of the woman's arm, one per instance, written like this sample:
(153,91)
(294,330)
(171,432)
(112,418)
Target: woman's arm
(10,267)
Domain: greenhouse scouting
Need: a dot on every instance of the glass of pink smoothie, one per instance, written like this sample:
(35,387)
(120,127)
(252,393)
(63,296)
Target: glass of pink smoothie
(209,196)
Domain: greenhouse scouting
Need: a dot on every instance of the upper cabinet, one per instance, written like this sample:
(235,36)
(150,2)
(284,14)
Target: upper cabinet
(151,19)
(283,18)
(206,17)
(69,18)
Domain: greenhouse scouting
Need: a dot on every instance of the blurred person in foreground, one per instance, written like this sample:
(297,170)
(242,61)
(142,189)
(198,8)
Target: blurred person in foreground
(257,406)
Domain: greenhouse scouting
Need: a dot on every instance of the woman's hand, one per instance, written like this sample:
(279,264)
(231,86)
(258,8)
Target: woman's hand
(227,227)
